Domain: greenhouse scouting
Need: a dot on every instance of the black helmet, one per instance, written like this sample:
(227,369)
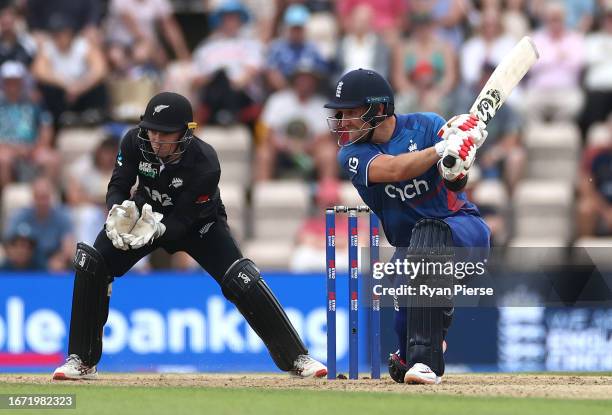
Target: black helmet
(167,112)
(357,88)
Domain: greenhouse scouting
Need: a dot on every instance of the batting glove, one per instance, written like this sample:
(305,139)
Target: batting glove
(460,147)
(147,228)
(465,123)
(119,222)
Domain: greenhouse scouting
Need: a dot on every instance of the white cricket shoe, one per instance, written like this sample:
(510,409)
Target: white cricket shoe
(307,367)
(421,374)
(74,369)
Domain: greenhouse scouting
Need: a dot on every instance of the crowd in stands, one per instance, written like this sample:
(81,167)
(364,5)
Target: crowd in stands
(75,75)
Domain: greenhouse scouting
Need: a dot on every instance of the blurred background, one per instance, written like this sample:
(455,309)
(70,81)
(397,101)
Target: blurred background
(75,75)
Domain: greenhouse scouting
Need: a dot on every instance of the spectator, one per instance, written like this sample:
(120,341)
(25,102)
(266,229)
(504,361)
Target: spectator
(25,130)
(449,16)
(554,88)
(227,65)
(19,250)
(70,71)
(515,19)
(387,20)
(86,15)
(263,13)
(285,53)
(503,155)
(424,66)
(361,47)
(53,230)
(595,193)
(131,25)
(14,46)
(490,45)
(579,13)
(296,137)
(86,182)
(598,76)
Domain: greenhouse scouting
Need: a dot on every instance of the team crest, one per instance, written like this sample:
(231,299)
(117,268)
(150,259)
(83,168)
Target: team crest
(159,108)
(412,147)
(176,182)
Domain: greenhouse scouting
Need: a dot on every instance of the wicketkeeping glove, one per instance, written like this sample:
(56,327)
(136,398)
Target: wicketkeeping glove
(120,221)
(147,228)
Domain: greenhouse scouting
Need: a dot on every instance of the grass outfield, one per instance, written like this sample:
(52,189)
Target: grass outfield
(93,399)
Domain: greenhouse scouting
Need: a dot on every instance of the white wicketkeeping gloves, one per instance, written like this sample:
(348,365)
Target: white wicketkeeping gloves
(127,229)
(120,221)
(147,228)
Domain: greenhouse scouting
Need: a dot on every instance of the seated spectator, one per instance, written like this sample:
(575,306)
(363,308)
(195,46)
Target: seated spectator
(53,229)
(19,250)
(25,131)
(515,19)
(502,156)
(85,14)
(553,89)
(296,137)
(448,15)
(490,45)
(86,184)
(309,252)
(286,52)
(427,59)
(598,76)
(361,46)
(14,46)
(227,65)
(388,16)
(595,189)
(70,71)
(131,28)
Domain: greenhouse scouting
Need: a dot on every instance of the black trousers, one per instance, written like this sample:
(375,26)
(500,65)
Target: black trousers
(212,246)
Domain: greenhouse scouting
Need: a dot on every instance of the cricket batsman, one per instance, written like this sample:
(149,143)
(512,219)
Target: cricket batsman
(395,163)
(177,206)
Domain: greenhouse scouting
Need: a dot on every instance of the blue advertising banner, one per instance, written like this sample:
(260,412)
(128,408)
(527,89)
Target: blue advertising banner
(163,322)
(182,323)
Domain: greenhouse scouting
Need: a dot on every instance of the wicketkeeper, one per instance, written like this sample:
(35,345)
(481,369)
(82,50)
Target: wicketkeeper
(177,207)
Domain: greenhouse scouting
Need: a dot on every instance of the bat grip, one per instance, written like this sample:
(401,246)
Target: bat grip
(449,161)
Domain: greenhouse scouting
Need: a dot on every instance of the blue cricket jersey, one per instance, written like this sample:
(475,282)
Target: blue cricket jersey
(400,205)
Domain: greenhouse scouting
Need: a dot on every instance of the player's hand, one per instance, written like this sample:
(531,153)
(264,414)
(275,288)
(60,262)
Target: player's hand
(461,148)
(120,221)
(465,123)
(147,228)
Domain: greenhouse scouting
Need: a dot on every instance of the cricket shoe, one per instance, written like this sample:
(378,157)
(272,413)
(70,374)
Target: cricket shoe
(306,367)
(421,374)
(398,368)
(75,369)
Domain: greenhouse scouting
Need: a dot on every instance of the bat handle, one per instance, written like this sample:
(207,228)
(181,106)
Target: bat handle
(449,161)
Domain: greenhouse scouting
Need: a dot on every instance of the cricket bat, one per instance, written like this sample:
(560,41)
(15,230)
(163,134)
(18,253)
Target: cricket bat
(502,81)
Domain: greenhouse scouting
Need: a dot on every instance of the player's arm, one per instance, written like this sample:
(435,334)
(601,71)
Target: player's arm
(124,173)
(387,168)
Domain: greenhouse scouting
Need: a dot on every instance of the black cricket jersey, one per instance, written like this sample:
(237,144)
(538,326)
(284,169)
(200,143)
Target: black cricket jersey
(185,192)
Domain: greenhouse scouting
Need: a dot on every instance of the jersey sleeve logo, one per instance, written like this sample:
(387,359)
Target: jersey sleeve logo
(353,163)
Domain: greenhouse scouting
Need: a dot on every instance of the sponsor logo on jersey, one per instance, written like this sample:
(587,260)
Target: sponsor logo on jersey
(120,159)
(146,169)
(176,182)
(160,108)
(408,191)
(412,147)
(353,162)
(202,199)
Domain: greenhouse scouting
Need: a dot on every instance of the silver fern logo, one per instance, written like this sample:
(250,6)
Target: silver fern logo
(160,108)
(176,182)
